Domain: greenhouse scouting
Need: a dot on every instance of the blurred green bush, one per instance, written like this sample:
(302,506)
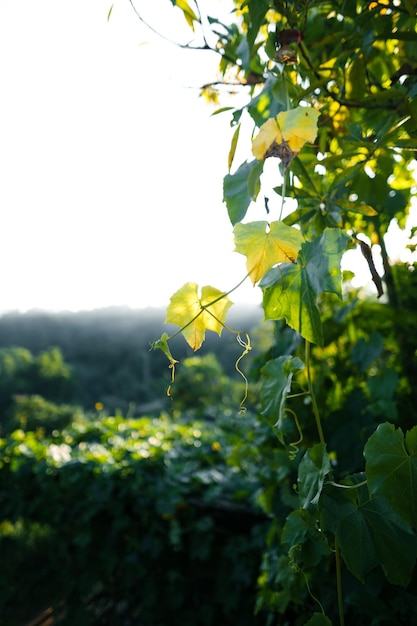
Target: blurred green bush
(141,521)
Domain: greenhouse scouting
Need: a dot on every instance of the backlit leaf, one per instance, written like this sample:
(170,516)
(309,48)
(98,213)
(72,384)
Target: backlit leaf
(291,291)
(264,246)
(189,14)
(356,207)
(241,188)
(195,314)
(289,130)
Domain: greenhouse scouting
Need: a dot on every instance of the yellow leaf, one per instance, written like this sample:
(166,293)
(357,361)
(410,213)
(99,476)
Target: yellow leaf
(195,314)
(265,247)
(284,136)
(189,14)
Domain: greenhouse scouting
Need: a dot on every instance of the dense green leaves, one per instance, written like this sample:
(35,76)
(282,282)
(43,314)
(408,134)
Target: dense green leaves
(369,532)
(391,469)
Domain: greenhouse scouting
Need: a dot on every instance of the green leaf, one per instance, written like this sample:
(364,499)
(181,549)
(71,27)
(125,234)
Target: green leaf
(292,290)
(237,193)
(257,10)
(369,533)
(365,351)
(265,104)
(276,384)
(356,207)
(318,619)
(313,469)
(307,544)
(162,344)
(391,469)
(233,146)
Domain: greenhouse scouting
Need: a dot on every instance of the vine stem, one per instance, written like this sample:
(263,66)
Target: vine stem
(312,394)
(285,178)
(339,583)
(283,192)
(323,441)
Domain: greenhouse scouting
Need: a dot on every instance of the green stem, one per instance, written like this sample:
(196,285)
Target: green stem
(312,394)
(322,440)
(283,192)
(339,584)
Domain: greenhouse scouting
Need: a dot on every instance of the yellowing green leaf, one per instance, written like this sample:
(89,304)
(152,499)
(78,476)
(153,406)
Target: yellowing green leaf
(233,146)
(356,207)
(265,247)
(195,314)
(189,14)
(284,135)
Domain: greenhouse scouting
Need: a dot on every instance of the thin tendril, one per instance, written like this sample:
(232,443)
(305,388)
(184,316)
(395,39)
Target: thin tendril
(246,349)
(298,569)
(294,445)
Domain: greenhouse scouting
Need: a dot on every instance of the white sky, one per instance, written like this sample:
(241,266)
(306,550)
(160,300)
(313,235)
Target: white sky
(111,167)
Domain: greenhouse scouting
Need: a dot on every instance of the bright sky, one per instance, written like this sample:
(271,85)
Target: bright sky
(111,166)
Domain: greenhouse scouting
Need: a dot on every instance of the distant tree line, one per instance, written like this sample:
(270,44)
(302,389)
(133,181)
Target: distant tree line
(95,357)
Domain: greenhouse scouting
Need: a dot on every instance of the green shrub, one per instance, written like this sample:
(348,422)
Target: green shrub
(148,521)
(33,412)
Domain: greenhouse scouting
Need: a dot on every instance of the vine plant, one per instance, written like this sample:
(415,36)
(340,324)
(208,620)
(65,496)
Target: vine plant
(331,94)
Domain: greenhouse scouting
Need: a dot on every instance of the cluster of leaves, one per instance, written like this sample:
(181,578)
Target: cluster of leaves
(354,64)
(345,489)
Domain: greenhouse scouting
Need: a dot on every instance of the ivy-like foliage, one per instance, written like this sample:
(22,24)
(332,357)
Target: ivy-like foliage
(331,97)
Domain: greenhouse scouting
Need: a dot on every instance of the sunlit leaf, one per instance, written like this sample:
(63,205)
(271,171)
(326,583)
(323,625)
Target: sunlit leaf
(195,314)
(264,246)
(291,290)
(356,207)
(189,14)
(286,134)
